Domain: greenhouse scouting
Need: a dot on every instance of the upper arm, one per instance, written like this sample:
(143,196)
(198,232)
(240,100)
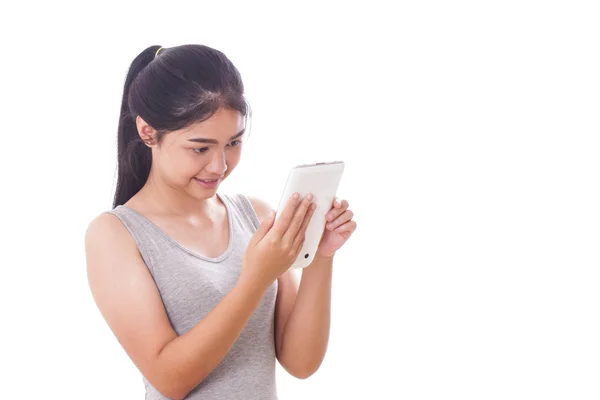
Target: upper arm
(261,207)
(287,284)
(126,294)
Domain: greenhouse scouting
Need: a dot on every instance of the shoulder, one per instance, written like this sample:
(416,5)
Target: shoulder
(261,207)
(106,232)
(105,224)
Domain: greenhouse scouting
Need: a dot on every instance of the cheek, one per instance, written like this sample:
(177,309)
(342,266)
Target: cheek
(190,166)
(179,167)
(233,158)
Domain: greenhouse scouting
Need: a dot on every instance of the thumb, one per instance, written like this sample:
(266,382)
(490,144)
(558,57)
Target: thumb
(264,227)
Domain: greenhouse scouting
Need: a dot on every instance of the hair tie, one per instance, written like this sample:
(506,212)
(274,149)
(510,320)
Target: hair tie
(155,54)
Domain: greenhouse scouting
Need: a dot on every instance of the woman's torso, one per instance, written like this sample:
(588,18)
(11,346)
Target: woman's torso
(192,284)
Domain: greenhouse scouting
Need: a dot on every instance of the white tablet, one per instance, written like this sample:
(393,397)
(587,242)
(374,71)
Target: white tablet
(322,180)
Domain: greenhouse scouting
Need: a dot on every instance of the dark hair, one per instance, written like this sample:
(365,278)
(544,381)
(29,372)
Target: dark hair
(171,90)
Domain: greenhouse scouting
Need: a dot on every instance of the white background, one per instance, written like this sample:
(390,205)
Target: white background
(470,131)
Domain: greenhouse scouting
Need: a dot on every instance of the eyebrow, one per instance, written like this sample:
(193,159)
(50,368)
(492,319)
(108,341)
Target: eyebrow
(202,140)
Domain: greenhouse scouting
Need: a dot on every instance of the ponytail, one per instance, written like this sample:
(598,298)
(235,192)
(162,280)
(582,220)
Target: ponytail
(134,158)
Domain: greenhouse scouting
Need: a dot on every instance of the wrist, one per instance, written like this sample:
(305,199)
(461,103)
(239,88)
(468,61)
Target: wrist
(253,283)
(323,258)
(319,262)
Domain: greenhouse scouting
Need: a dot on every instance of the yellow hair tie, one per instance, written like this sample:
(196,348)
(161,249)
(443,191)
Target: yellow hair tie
(157,52)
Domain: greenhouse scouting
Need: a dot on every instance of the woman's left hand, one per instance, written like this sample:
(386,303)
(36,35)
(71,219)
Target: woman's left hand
(338,228)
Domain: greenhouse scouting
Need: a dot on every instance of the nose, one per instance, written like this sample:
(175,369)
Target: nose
(218,164)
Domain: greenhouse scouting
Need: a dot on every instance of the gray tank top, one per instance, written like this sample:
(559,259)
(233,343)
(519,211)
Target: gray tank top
(191,285)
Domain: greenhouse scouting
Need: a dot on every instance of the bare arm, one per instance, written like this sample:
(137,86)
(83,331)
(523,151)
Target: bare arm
(305,333)
(129,301)
(302,315)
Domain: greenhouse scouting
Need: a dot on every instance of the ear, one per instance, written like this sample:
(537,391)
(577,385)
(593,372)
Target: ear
(146,132)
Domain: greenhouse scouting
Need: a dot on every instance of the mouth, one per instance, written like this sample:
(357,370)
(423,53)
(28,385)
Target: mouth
(208,183)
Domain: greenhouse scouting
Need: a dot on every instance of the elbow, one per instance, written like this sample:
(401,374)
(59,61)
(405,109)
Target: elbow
(173,379)
(309,370)
(177,396)
(171,392)
(304,374)
(172,396)
(173,387)
(301,370)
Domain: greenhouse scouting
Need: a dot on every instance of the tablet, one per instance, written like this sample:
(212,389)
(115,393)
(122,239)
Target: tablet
(322,180)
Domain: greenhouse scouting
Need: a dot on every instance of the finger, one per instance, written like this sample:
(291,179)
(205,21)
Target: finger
(302,232)
(294,226)
(263,229)
(349,226)
(284,219)
(345,217)
(337,210)
(299,246)
(340,204)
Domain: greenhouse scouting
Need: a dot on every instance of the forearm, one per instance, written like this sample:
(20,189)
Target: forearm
(188,359)
(306,332)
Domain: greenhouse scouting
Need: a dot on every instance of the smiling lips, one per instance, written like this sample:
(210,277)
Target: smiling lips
(210,180)
(208,183)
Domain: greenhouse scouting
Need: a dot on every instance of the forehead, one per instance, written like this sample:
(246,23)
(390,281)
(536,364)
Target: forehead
(221,125)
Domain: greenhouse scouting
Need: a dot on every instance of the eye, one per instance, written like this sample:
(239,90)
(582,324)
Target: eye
(236,144)
(200,150)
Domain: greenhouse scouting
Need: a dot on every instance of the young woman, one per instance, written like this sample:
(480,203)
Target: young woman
(194,283)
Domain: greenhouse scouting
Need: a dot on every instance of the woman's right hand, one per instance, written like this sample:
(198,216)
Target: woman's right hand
(274,246)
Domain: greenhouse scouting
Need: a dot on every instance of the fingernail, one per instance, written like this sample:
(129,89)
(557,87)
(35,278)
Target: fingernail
(330,216)
(296,195)
(309,197)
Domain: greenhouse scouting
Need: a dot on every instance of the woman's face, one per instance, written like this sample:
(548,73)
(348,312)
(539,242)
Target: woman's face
(203,151)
